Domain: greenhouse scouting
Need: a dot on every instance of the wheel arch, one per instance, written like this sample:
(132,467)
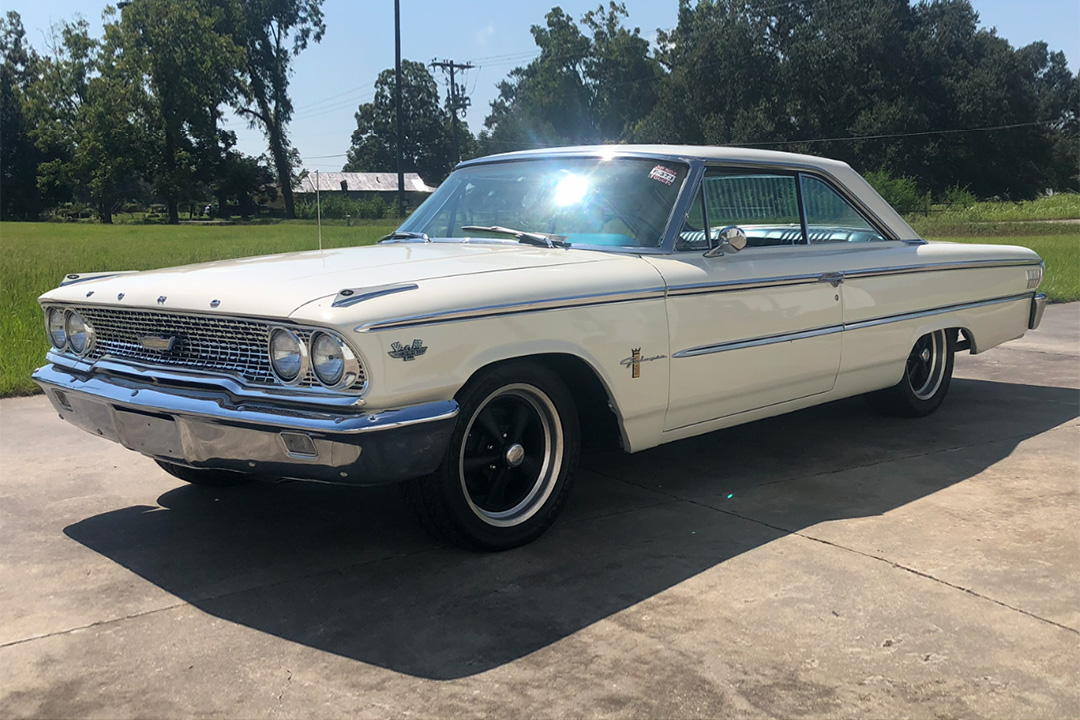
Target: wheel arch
(598,412)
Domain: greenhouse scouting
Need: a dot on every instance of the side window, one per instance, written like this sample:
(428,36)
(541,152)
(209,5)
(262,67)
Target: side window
(693,236)
(830,218)
(764,205)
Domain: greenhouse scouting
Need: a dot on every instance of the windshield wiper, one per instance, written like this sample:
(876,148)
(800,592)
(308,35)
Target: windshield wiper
(406,235)
(529,238)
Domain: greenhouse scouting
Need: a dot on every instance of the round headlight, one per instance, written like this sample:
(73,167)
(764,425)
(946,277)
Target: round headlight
(79,334)
(328,359)
(288,355)
(54,323)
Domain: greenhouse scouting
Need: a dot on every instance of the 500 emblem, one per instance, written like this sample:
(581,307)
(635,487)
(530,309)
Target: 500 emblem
(407,352)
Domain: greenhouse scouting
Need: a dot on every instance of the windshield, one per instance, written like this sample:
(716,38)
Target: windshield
(581,201)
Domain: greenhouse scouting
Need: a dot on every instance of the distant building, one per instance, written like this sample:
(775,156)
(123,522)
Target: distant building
(364,186)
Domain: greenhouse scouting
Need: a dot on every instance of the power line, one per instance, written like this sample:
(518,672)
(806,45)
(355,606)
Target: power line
(885,136)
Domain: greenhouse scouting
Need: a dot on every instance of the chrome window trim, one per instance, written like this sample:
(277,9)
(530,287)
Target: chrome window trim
(525,306)
(679,208)
(847,327)
(697,162)
(826,177)
(851,200)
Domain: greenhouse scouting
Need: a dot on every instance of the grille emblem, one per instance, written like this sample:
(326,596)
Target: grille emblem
(158,342)
(407,352)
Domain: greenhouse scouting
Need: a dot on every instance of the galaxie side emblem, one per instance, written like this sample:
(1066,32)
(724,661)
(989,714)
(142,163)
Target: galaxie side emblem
(163,343)
(634,361)
(407,352)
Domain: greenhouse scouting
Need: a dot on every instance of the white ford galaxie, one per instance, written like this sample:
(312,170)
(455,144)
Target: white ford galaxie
(645,293)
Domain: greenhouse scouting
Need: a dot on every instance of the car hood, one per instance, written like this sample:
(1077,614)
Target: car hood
(276,285)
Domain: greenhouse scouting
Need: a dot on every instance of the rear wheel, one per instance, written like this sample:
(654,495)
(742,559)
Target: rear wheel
(508,470)
(927,376)
(204,477)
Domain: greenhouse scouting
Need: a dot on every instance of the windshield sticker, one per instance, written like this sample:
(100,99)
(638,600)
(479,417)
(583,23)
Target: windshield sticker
(663,174)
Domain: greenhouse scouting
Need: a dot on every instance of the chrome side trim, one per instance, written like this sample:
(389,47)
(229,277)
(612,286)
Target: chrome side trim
(832,329)
(756,342)
(839,277)
(933,311)
(937,267)
(487,311)
(351,296)
(733,285)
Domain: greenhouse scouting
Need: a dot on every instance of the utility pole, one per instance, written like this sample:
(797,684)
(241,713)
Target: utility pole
(458,102)
(397,110)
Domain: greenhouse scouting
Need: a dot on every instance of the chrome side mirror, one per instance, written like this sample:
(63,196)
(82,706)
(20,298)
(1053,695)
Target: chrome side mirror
(732,240)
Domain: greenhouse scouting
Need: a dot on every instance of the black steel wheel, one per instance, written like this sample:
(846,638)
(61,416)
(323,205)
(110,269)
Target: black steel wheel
(511,459)
(927,376)
(205,477)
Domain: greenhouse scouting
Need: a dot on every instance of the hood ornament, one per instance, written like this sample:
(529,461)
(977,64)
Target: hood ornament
(161,299)
(214,303)
(120,296)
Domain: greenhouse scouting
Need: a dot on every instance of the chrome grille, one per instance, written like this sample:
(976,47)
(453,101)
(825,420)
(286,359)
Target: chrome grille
(216,344)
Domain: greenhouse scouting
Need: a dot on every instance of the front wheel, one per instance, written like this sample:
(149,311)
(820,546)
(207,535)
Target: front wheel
(927,376)
(507,472)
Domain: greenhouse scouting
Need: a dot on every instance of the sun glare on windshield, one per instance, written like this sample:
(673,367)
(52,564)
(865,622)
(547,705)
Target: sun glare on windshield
(570,190)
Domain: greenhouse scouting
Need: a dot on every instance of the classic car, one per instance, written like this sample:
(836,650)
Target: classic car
(641,294)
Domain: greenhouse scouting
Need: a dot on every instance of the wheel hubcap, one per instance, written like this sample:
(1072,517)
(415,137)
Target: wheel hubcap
(511,455)
(515,455)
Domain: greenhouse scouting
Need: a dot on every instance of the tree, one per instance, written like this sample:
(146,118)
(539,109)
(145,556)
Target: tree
(87,119)
(426,127)
(914,90)
(274,31)
(582,88)
(186,50)
(19,199)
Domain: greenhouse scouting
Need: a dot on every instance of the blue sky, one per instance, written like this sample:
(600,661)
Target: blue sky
(331,78)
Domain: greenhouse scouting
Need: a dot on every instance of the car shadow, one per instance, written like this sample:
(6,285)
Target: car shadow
(345,570)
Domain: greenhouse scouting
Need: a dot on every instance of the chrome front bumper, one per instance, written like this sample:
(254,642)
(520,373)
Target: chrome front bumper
(1038,304)
(208,428)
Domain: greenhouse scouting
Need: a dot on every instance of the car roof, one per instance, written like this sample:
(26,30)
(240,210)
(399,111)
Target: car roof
(687,152)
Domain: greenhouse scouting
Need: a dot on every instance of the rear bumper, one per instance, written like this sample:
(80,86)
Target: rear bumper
(208,429)
(1038,304)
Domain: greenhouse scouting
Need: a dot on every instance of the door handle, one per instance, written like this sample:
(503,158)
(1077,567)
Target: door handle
(833,278)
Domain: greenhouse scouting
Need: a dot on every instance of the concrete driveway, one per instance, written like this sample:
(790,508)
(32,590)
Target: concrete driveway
(829,563)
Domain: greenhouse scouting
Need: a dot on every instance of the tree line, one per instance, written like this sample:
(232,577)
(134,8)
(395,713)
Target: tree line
(137,112)
(916,93)
(913,92)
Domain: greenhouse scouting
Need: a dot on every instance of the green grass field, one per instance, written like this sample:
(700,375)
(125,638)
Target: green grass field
(35,256)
